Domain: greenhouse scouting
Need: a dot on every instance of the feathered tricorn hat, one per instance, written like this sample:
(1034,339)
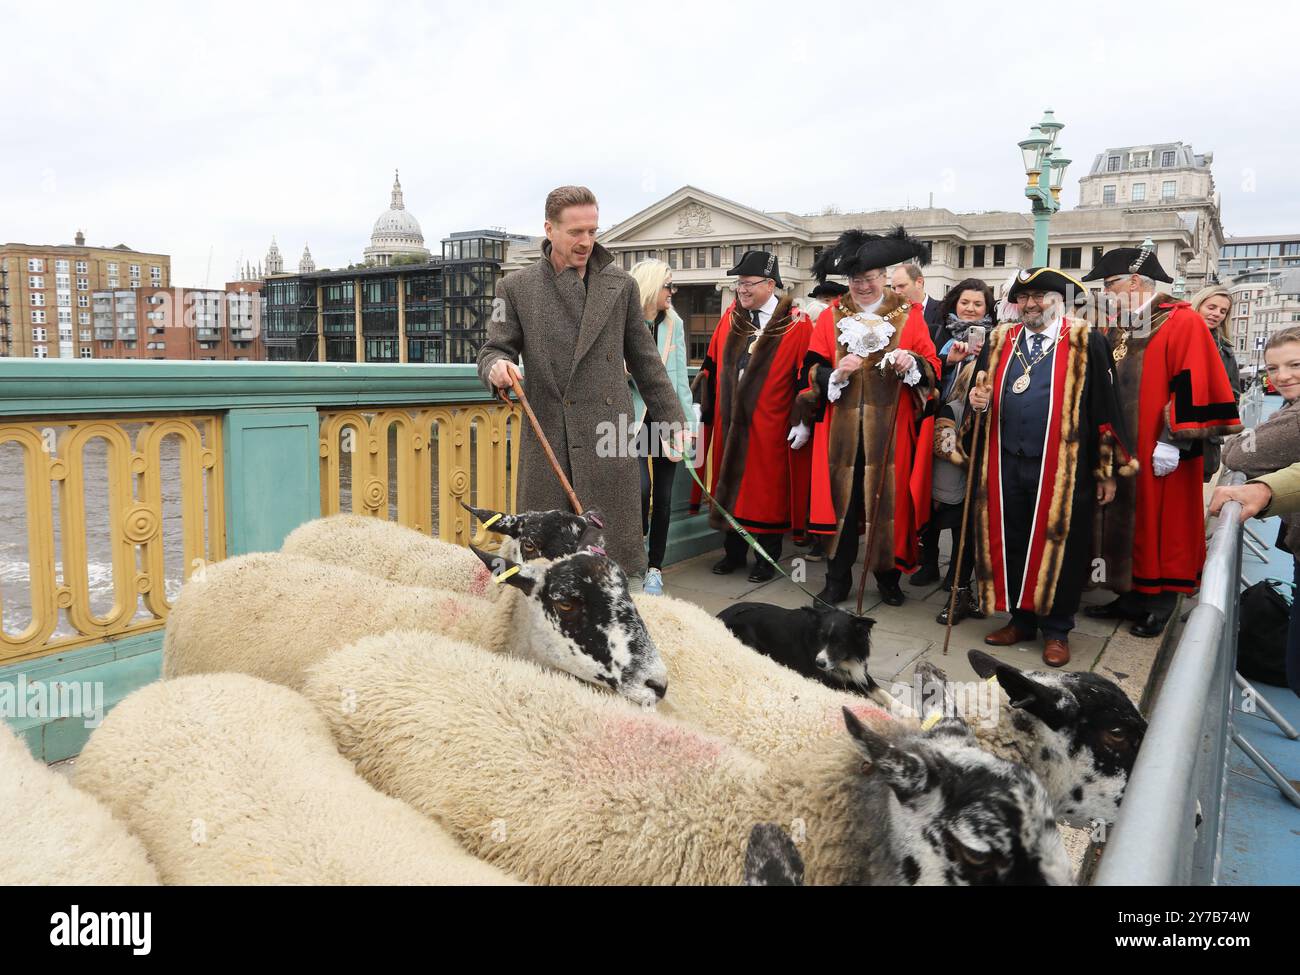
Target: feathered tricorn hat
(856,251)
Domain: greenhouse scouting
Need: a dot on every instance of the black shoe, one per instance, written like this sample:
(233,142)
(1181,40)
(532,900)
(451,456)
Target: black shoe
(1149,625)
(1116,609)
(891,593)
(724,566)
(966,607)
(834,591)
(763,571)
(926,575)
(815,553)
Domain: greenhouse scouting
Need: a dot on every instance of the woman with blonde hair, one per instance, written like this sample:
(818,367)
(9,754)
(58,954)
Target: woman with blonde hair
(654,281)
(1214,305)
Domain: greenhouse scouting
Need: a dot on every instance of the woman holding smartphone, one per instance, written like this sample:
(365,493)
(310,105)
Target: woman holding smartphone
(965,317)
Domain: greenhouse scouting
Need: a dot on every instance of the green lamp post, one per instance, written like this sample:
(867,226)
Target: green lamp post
(1045,167)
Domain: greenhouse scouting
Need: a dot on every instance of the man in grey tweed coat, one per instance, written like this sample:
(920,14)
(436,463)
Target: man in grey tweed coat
(576,318)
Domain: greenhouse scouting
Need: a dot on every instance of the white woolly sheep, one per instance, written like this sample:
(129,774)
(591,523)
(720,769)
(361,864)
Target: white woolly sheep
(271,614)
(719,684)
(230,780)
(53,834)
(1078,731)
(558,783)
(400,554)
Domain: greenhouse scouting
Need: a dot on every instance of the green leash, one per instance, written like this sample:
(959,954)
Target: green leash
(749,539)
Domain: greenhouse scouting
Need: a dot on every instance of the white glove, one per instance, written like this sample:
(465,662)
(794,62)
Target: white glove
(799,436)
(839,379)
(1165,459)
(913,374)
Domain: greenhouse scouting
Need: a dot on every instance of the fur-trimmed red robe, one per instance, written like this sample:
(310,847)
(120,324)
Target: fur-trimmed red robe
(862,410)
(1170,378)
(1082,447)
(748,421)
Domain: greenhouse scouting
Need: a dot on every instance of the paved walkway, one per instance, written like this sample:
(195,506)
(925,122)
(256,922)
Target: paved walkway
(905,634)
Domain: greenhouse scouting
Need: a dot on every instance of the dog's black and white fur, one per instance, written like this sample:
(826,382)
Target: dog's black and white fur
(828,645)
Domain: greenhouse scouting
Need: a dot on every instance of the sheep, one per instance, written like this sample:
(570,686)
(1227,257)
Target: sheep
(719,684)
(1078,732)
(231,780)
(558,783)
(53,834)
(400,554)
(272,614)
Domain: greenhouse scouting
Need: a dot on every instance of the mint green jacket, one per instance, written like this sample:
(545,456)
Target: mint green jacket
(672,352)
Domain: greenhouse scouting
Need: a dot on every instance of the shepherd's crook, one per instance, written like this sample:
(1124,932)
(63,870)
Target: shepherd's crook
(546,444)
(965,513)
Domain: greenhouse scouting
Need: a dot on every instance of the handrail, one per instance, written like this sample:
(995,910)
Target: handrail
(1169,827)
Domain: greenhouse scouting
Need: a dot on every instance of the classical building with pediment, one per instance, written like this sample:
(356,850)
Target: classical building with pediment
(701,235)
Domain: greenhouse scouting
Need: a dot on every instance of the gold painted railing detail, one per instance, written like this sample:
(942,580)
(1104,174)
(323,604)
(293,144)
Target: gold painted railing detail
(374,453)
(131,528)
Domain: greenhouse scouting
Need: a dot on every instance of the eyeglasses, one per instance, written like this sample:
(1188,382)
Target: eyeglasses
(1114,282)
(670,288)
(866,278)
(749,285)
(1038,297)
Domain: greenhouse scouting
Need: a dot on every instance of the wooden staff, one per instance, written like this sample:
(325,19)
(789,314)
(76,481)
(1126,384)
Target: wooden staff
(874,524)
(546,444)
(965,512)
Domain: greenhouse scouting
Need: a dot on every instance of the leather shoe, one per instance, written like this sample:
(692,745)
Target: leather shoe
(1113,610)
(1007,636)
(1056,653)
(762,572)
(926,575)
(891,593)
(966,607)
(834,592)
(1149,625)
(724,567)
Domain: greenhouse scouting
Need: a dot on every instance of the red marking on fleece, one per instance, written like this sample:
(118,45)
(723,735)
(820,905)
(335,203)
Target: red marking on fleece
(866,713)
(642,746)
(482,576)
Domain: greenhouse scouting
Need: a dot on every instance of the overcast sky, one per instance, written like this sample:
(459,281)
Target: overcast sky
(198,133)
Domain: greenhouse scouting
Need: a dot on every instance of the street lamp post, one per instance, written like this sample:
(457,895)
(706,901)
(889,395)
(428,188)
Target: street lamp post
(1045,167)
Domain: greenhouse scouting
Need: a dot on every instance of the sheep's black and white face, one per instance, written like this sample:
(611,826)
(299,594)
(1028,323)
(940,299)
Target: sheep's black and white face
(845,642)
(960,816)
(1082,736)
(544,534)
(582,620)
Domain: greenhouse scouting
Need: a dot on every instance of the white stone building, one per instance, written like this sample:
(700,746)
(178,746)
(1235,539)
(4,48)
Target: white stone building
(1165,177)
(702,234)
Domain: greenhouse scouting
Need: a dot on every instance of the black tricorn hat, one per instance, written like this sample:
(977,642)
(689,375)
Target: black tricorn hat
(856,251)
(758,264)
(1046,279)
(1128,260)
(828,289)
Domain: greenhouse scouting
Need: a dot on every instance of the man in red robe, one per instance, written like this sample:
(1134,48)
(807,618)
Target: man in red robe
(1175,394)
(870,360)
(746,389)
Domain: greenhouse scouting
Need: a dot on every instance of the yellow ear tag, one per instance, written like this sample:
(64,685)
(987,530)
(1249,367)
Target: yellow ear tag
(934,718)
(506,575)
(495,517)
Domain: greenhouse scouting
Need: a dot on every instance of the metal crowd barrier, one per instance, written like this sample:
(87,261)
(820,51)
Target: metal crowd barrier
(1170,827)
